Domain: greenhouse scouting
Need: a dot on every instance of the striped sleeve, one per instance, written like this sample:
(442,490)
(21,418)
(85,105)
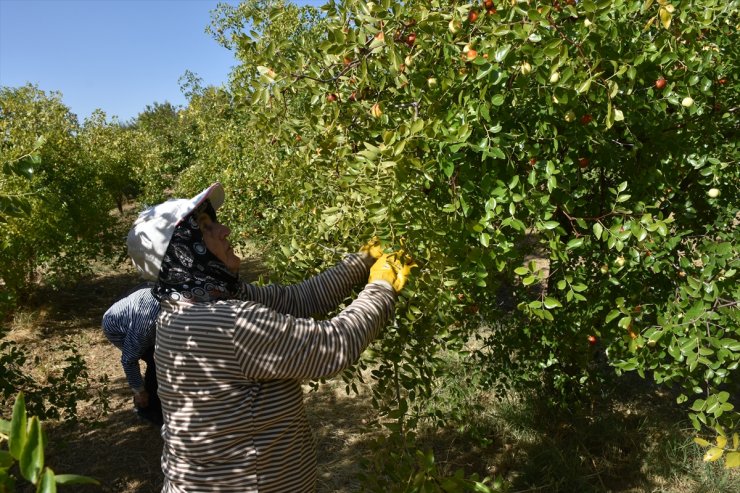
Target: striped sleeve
(269,345)
(315,296)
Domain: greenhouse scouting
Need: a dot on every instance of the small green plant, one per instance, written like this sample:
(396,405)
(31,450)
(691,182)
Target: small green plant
(26,441)
(409,468)
(58,396)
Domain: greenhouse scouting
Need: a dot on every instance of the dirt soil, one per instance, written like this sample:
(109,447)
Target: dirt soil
(117,448)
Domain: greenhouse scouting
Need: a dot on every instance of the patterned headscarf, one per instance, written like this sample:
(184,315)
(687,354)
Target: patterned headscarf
(189,271)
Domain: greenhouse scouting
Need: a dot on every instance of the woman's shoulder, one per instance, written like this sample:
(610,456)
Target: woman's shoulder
(201,307)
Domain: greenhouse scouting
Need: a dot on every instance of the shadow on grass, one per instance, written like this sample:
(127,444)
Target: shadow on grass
(120,451)
(634,444)
(81,306)
(342,437)
(123,453)
(633,440)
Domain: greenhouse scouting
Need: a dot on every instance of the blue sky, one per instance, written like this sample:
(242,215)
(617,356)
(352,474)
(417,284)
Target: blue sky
(117,55)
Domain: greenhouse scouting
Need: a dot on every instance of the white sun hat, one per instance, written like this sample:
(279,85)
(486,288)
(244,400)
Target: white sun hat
(150,236)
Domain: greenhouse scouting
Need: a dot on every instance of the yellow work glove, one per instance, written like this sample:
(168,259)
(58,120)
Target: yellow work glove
(402,274)
(374,248)
(383,270)
(391,269)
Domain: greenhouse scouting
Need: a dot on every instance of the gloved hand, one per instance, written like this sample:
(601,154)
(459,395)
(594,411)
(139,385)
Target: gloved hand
(390,268)
(403,270)
(373,248)
(383,270)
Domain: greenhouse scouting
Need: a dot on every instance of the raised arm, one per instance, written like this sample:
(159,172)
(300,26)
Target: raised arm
(270,345)
(315,296)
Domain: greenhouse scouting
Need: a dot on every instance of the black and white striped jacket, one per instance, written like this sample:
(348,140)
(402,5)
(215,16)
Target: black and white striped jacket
(230,375)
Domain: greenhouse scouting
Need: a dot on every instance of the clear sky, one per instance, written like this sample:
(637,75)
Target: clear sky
(116,55)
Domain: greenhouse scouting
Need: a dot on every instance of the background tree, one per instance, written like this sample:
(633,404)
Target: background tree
(64,220)
(166,135)
(116,151)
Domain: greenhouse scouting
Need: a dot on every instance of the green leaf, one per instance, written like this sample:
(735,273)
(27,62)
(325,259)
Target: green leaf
(612,315)
(448,168)
(32,458)
(497,152)
(552,49)
(574,243)
(7,482)
(698,405)
(24,167)
(713,406)
(551,303)
(502,52)
(584,87)
(485,69)
(687,346)
(598,229)
(613,89)
(75,479)
(18,427)
(416,126)
(47,483)
(6,460)
(551,224)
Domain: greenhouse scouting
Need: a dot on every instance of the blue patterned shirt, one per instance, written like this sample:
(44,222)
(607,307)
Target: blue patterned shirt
(130,325)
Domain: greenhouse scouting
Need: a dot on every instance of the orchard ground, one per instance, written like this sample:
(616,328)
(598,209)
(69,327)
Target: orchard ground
(634,440)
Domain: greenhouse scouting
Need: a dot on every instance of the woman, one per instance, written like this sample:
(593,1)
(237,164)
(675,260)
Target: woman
(231,356)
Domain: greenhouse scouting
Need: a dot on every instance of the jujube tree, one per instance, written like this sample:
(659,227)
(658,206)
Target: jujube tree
(574,160)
